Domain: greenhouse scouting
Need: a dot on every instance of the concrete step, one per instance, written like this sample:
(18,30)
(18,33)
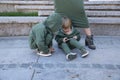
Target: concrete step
(107,8)
(92,9)
(6,6)
(28,2)
(51,2)
(9,6)
(89,13)
(35,8)
(92,20)
(48,5)
(21,19)
(14,26)
(51,7)
(19,26)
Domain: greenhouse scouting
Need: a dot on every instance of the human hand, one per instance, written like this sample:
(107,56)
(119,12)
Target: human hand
(65,39)
(75,37)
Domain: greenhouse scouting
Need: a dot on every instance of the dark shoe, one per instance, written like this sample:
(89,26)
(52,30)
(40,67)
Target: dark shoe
(89,42)
(84,53)
(71,56)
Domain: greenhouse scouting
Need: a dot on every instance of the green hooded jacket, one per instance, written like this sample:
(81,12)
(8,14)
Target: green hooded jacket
(74,9)
(60,35)
(41,35)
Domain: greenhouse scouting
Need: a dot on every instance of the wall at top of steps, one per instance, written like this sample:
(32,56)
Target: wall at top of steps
(104,18)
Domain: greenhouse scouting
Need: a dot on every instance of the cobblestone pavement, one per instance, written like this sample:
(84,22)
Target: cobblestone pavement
(19,62)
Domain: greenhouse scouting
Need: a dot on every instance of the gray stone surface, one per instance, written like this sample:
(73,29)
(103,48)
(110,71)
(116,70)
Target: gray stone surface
(21,19)
(16,74)
(81,74)
(11,26)
(16,51)
(19,62)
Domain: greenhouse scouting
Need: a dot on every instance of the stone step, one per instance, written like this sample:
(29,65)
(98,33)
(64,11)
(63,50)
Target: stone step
(20,5)
(21,19)
(89,13)
(9,6)
(102,2)
(20,26)
(28,2)
(103,7)
(29,7)
(91,9)
(92,20)
(17,26)
(51,2)
(51,7)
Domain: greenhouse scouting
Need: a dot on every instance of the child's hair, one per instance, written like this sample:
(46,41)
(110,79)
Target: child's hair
(66,22)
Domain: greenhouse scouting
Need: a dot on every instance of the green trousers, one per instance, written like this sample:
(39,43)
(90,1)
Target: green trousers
(71,44)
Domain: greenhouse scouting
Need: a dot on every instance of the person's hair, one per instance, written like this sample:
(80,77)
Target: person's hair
(66,22)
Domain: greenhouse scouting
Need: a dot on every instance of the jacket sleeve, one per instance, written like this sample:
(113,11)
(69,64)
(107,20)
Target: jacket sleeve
(77,33)
(32,43)
(48,39)
(40,41)
(59,39)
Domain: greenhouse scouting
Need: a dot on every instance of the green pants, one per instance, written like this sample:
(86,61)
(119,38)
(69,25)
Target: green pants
(71,45)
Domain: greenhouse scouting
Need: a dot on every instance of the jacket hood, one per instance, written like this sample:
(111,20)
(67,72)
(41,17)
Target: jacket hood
(53,22)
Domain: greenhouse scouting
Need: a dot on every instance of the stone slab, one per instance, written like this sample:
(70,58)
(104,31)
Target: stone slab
(81,74)
(19,62)
(16,74)
(16,51)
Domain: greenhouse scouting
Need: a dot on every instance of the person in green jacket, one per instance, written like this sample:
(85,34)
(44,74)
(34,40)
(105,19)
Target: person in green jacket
(74,9)
(42,34)
(68,38)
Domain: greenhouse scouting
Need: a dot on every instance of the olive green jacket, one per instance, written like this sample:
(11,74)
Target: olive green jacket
(41,35)
(60,35)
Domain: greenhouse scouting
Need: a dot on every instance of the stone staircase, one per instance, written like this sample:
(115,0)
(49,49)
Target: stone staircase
(23,6)
(104,16)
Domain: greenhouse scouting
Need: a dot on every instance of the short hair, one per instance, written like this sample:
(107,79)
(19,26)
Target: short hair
(66,22)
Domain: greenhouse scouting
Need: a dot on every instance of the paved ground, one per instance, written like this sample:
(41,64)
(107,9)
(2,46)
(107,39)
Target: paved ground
(18,62)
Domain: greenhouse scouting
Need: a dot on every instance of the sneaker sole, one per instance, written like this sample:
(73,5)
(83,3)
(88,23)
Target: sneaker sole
(71,57)
(85,55)
(45,55)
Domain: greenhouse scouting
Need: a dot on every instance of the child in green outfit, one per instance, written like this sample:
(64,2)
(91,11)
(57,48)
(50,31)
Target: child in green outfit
(41,34)
(68,38)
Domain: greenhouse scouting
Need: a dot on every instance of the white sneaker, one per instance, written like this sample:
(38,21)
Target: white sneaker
(43,54)
(85,54)
(71,56)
